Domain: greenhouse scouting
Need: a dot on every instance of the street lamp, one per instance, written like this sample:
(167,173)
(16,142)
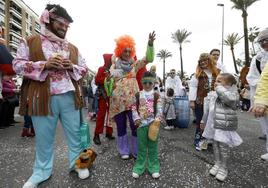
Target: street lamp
(222,30)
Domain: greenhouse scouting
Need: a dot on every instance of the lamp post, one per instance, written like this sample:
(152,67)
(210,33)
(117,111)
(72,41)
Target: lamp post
(222,30)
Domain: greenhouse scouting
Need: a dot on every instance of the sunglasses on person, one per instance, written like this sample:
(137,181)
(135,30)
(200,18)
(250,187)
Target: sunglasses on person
(147,83)
(172,73)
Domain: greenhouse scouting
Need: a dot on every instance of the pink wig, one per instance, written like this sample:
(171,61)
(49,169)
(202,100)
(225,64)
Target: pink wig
(123,42)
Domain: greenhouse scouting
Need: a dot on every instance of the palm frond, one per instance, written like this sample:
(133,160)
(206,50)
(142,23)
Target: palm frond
(163,54)
(232,39)
(180,36)
(242,4)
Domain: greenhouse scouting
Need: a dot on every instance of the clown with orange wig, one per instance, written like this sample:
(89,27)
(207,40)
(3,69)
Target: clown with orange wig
(124,70)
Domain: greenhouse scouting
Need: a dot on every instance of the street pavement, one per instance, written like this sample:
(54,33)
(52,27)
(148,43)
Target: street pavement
(181,164)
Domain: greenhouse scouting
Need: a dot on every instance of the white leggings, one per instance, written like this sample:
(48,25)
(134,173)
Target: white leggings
(264,128)
(221,154)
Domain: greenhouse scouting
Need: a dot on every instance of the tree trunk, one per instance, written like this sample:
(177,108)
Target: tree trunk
(233,55)
(244,15)
(164,71)
(182,75)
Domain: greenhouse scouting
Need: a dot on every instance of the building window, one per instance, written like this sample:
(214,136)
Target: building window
(2,8)
(2,20)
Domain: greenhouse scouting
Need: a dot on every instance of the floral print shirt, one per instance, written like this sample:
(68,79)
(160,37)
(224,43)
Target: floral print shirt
(146,108)
(60,80)
(126,86)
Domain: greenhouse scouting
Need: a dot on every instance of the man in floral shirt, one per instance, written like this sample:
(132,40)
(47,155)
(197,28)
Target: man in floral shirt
(54,68)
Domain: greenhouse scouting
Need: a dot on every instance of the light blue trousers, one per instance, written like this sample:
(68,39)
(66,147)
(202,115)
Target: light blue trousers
(63,108)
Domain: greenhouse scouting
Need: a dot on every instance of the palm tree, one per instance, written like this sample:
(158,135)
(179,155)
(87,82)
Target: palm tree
(180,37)
(253,34)
(232,40)
(243,6)
(164,54)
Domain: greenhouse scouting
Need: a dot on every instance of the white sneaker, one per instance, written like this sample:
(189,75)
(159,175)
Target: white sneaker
(155,175)
(124,157)
(168,127)
(197,148)
(222,174)
(214,170)
(264,157)
(82,173)
(29,184)
(135,175)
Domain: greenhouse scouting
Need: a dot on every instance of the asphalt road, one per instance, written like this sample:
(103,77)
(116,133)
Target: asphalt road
(181,164)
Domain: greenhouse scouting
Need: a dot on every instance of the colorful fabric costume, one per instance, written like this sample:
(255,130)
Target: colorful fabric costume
(145,112)
(103,101)
(126,86)
(52,95)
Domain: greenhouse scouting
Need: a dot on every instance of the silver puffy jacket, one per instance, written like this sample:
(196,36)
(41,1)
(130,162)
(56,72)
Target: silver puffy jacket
(225,108)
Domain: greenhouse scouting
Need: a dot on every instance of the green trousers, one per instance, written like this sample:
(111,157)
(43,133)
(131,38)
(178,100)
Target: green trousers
(146,146)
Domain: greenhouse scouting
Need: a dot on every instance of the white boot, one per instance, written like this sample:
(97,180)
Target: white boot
(214,170)
(124,157)
(155,175)
(222,174)
(264,157)
(29,184)
(135,175)
(82,173)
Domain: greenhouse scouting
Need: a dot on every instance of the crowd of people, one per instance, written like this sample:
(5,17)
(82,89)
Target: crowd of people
(124,93)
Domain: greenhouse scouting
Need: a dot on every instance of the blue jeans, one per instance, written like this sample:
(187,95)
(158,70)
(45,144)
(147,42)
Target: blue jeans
(198,115)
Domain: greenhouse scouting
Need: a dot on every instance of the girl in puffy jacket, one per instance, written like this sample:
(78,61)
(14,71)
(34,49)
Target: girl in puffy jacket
(221,122)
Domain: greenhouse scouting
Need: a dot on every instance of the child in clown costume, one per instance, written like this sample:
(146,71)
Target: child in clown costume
(123,71)
(147,112)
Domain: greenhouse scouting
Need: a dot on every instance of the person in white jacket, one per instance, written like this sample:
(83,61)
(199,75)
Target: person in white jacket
(257,64)
(175,83)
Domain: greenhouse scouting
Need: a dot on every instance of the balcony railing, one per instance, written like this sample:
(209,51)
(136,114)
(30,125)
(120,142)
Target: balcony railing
(15,12)
(13,44)
(14,22)
(13,53)
(15,33)
(37,30)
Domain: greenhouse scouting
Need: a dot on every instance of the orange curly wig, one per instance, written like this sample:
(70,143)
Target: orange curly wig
(123,42)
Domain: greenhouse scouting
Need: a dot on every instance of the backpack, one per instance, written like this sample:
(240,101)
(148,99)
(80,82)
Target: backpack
(156,97)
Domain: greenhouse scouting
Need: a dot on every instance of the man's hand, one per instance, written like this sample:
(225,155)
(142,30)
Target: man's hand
(192,105)
(138,123)
(54,63)
(258,110)
(151,39)
(67,64)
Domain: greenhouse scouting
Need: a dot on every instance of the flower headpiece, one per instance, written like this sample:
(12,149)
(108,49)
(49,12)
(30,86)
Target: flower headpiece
(47,14)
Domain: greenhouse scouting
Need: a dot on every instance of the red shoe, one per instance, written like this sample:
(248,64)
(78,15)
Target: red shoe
(25,132)
(32,132)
